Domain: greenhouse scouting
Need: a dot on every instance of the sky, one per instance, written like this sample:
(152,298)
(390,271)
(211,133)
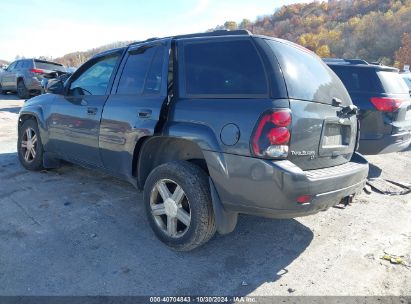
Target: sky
(33,28)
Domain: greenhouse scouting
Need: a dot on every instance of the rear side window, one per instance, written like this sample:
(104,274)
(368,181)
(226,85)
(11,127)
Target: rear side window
(44,65)
(307,77)
(407,80)
(142,71)
(393,82)
(356,79)
(223,68)
(27,64)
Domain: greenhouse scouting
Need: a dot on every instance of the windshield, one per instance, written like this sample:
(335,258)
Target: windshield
(307,77)
(44,65)
(392,82)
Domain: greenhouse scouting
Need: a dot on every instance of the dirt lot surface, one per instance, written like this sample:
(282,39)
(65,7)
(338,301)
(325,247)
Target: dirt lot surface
(74,231)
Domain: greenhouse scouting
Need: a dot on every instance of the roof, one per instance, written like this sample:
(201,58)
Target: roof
(358,63)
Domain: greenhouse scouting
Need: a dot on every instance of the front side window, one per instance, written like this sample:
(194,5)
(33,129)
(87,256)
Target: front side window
(95,79)
(223,68)
(142,71)
(11,66)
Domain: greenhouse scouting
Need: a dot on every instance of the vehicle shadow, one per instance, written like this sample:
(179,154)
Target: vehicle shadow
(9,96)
(14,110)
(88,235)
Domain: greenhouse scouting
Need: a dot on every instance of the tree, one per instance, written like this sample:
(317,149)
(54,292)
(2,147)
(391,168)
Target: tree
(323,51)
(245,24)
(403,55)
(230,25)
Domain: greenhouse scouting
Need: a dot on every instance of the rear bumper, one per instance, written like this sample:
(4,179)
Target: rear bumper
(270,189)
(387,144)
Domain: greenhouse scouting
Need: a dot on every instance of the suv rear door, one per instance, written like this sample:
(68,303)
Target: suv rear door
(322,135)
(134,107)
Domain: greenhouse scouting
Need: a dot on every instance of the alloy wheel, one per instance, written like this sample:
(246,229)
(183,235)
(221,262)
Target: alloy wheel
(29,145)
(170,208)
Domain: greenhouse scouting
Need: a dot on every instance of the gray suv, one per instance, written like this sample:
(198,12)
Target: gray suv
(209,126)
(24,76)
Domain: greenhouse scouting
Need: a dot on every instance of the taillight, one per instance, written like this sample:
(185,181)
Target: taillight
(37,71)
(272,134)
(386,104)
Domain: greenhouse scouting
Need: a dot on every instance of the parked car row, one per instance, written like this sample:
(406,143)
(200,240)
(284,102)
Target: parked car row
(212,125)
(25,76)
(383,99)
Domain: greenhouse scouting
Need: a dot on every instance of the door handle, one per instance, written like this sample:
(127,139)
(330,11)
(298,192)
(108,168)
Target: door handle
(92,111)
(144,113)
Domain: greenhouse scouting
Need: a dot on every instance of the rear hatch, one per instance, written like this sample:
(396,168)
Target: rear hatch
(48,69)
(324,124)
(394,99)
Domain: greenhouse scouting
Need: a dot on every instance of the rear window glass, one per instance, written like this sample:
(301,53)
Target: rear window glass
(356,79)
(223,68)
(307,77)
(392,82)
(49,66)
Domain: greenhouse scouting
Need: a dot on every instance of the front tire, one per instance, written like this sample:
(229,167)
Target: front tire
(22,91)
(178,205)
(29,146)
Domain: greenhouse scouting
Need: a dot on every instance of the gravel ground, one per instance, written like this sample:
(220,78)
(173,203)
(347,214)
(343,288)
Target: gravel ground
(74,231)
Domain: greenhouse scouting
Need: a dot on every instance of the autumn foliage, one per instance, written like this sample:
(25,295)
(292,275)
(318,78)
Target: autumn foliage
(403,55)
(367,29)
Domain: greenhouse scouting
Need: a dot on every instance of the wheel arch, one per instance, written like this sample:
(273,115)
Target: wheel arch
(157,150)
(37,115)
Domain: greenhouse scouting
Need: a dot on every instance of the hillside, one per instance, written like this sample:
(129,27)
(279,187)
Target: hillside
(77,58)
(3,62)
(374,30)
(368,29)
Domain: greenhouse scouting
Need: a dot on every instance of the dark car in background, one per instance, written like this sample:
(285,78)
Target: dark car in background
(384,103)
(208,125)
(24,76)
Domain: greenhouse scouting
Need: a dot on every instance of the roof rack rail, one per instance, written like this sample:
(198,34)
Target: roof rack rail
(216,33)
(204,34)
(356,61)
(344,60)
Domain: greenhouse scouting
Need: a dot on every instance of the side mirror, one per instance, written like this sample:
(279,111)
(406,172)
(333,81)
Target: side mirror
(55,87)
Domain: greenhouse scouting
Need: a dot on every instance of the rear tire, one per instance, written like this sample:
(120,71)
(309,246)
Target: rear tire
(29,146)
(178,205)
(22,91)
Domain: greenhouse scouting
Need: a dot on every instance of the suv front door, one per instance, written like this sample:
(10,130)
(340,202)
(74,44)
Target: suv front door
(74,123)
